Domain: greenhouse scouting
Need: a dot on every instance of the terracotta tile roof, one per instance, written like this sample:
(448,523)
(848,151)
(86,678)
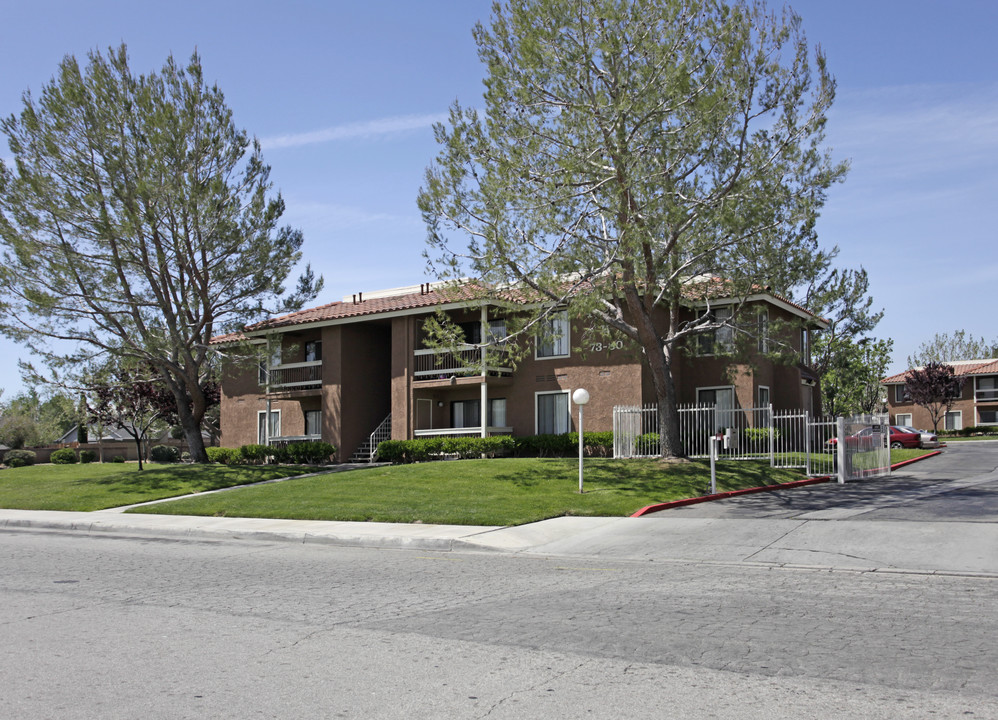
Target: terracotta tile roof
(436,294)
(960,367)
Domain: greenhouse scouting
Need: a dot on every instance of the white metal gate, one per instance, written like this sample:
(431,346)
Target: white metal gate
(785,438)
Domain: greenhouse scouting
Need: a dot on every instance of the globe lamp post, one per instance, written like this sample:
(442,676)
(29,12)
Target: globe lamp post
(580,397)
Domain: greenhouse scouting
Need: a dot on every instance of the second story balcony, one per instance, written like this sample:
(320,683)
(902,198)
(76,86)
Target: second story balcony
(465,362)
(296,376)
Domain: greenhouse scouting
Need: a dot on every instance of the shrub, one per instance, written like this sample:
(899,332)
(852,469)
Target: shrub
(87,456)
(19,458)
(254,453)
(760,434)
(423,449)
(117,459)
(221,455)
(594,444)
(65,456)
(304,453)
(164,454)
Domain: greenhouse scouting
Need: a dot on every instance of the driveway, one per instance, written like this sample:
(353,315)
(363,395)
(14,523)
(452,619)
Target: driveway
(960,485)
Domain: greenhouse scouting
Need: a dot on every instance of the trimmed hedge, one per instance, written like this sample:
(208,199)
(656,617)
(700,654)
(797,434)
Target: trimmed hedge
(19,458)
(596,444)
(304,453)
(221,455)
(254,453)
(64,456)
(87,456)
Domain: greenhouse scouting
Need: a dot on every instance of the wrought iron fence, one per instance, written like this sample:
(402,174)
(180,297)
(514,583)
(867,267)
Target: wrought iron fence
(784,438)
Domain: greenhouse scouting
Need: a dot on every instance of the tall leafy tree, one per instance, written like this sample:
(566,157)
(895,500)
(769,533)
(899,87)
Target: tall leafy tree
(935,387)
(850,383)
(137,221)
(961,345)
(628,148)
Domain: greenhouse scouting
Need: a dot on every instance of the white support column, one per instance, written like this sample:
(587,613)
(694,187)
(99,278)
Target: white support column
(484,402)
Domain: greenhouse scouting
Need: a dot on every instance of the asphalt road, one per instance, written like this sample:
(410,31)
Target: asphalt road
(97,627)
(957,485)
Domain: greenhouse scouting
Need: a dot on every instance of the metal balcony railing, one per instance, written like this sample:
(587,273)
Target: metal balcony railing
(296,376)
(434,364)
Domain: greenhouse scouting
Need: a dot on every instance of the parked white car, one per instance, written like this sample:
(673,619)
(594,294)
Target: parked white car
(928,439)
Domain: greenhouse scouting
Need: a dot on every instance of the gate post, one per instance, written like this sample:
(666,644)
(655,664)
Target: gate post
(840,447)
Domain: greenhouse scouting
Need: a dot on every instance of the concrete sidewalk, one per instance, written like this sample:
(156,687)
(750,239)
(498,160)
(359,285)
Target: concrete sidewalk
(888,546)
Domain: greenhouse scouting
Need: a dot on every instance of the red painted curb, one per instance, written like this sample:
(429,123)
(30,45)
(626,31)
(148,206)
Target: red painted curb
(765,488)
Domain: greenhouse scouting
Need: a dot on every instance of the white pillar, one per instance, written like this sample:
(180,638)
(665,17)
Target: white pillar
(484,402)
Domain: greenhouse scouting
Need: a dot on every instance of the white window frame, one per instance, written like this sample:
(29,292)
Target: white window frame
(903,419)
(557,337)
(763,329)
(992,390)
(958,416)
(270,428)
(721,419)
(981,421)
(901,393)
(568,409)
(318,429)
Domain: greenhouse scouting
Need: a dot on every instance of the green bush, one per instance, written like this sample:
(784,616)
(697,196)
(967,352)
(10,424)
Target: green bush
(594,444)
(221,455)
(65,456)
(423,449)
(254,453)
(117,459)
(19,458)
(760,434)
(304,453)
(164,453)
(87,456)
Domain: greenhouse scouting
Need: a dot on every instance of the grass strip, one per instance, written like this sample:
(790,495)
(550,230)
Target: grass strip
(98,486)
(509,491)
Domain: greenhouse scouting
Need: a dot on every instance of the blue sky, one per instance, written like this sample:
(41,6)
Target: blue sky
(343,94)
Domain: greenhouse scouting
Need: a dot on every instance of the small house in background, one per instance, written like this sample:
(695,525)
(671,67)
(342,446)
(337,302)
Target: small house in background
(977,405)
(354,371)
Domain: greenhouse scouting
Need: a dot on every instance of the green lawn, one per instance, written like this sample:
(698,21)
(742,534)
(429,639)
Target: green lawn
(103,485)
(480,492)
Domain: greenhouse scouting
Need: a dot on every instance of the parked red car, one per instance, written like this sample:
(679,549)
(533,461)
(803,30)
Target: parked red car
(866,439)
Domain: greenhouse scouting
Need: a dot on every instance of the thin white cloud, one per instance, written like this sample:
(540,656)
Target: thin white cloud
(365,130)
(331,215)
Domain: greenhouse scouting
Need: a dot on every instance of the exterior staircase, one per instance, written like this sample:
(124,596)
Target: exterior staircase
(365,453)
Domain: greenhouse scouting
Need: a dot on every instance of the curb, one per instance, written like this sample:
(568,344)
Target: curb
(648,509)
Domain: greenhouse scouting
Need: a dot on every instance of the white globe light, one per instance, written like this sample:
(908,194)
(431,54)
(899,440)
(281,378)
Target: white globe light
(580,396)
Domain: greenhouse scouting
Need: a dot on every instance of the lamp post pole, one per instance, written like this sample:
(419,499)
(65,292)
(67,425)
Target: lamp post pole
(580,397)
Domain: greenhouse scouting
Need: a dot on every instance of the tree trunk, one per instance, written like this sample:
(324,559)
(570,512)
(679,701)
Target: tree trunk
(659,357)
(138,449)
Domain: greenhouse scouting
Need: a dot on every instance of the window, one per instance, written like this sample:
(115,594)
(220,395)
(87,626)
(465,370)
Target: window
(721,340)
(903,419)
(988,417)
(763,331)
(313,351)
(313,422)
(986,390)
(723,401)
(261,429)
(554,339)
(764,398)
(805,346)
(552,413)
(901,393)
(954,420)
(467,413)
(472,332)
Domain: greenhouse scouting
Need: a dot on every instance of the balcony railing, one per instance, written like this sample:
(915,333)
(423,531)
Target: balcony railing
(296,376)
(462,432)
(434,364)
(988,396)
